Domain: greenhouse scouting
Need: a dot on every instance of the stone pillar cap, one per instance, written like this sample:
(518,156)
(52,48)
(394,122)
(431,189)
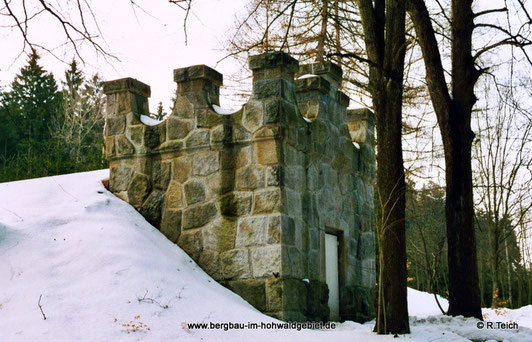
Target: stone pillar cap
(126,84)
(342,98)
(197,72)
(361,114)
(322,68)
(314,82)
(272,60)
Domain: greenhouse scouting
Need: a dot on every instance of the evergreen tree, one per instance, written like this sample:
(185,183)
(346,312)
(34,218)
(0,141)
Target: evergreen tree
(32,102)
(8,133)
(161,114)
(27,110)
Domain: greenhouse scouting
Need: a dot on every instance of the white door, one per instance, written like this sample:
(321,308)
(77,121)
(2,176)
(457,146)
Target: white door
(331,275)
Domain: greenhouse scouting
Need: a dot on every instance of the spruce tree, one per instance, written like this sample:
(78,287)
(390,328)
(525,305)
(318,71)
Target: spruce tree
(32,102)
(28,109)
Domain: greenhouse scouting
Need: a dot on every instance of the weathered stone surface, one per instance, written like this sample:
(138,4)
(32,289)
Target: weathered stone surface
(190,242)
(161,174)
(240,134)
(273,235)
(205,163)
(181,169)
(171,224)
(198,138)
(120,177)
(267,152)
(273,60)
(183,108)
(236,203)
(294,177)
(288,230)
(243,157)
(151,136)
(266,260)
(252,290)
(267,201)
(124,145)
(314,239)
(252,117)
(274,294)
(174,196)
(368,273)
(126,85)
(115,125)
(235,264)
(367,245)
(198,72)
(209,261)
(220,134)
(250,178)
(133,119)
(276,88)
(251,231)
(136,134)
(292,203)
(194,191)
(294,295)
(270,131)
(317,301)
(273,175)
(208,118)
(272,110)
(177,128)
(152,208)
(138,189)
(110,147)
(199,215)
(219,235)
(291,262)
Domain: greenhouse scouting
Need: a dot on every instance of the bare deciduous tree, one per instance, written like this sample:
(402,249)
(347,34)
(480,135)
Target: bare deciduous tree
(503,175)
(453,105)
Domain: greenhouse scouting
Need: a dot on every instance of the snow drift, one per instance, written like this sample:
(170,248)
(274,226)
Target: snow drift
(103,273)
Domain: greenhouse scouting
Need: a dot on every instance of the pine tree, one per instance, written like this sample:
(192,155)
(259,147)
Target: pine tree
(32,102)
(28,109)
(161,114)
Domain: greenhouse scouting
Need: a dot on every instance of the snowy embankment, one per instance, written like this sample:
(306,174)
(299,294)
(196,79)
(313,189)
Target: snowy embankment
(104,274)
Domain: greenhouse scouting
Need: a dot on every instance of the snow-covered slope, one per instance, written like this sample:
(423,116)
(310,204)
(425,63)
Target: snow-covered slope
(97,266)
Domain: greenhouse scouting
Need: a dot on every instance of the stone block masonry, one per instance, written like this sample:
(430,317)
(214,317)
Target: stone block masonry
(250,195)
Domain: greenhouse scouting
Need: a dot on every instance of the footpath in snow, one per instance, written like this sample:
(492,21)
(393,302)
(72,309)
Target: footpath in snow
(103,273)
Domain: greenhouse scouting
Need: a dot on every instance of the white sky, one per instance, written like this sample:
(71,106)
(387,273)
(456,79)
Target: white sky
(149,45)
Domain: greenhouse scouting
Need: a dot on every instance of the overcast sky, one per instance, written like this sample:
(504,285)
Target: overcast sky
(149,44)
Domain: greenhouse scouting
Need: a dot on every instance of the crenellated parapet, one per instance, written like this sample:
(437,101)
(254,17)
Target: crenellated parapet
(251,195)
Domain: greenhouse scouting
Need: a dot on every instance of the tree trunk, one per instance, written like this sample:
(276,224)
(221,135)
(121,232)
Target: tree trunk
(454,119)
(508,274)
(495,261)
(320,48)
(393,316)
(464,290)
(384,28)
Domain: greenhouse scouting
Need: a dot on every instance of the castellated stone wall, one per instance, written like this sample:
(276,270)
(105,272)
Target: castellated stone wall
(251,195)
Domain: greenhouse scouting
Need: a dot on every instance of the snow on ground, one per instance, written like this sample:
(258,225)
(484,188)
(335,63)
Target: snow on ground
(90,257)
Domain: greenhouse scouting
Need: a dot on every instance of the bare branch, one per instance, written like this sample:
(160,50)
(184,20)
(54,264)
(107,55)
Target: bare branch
(507,41)
(186,7)
(494,10)
(40,307)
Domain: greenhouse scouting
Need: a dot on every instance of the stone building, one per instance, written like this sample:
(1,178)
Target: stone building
(274,201)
